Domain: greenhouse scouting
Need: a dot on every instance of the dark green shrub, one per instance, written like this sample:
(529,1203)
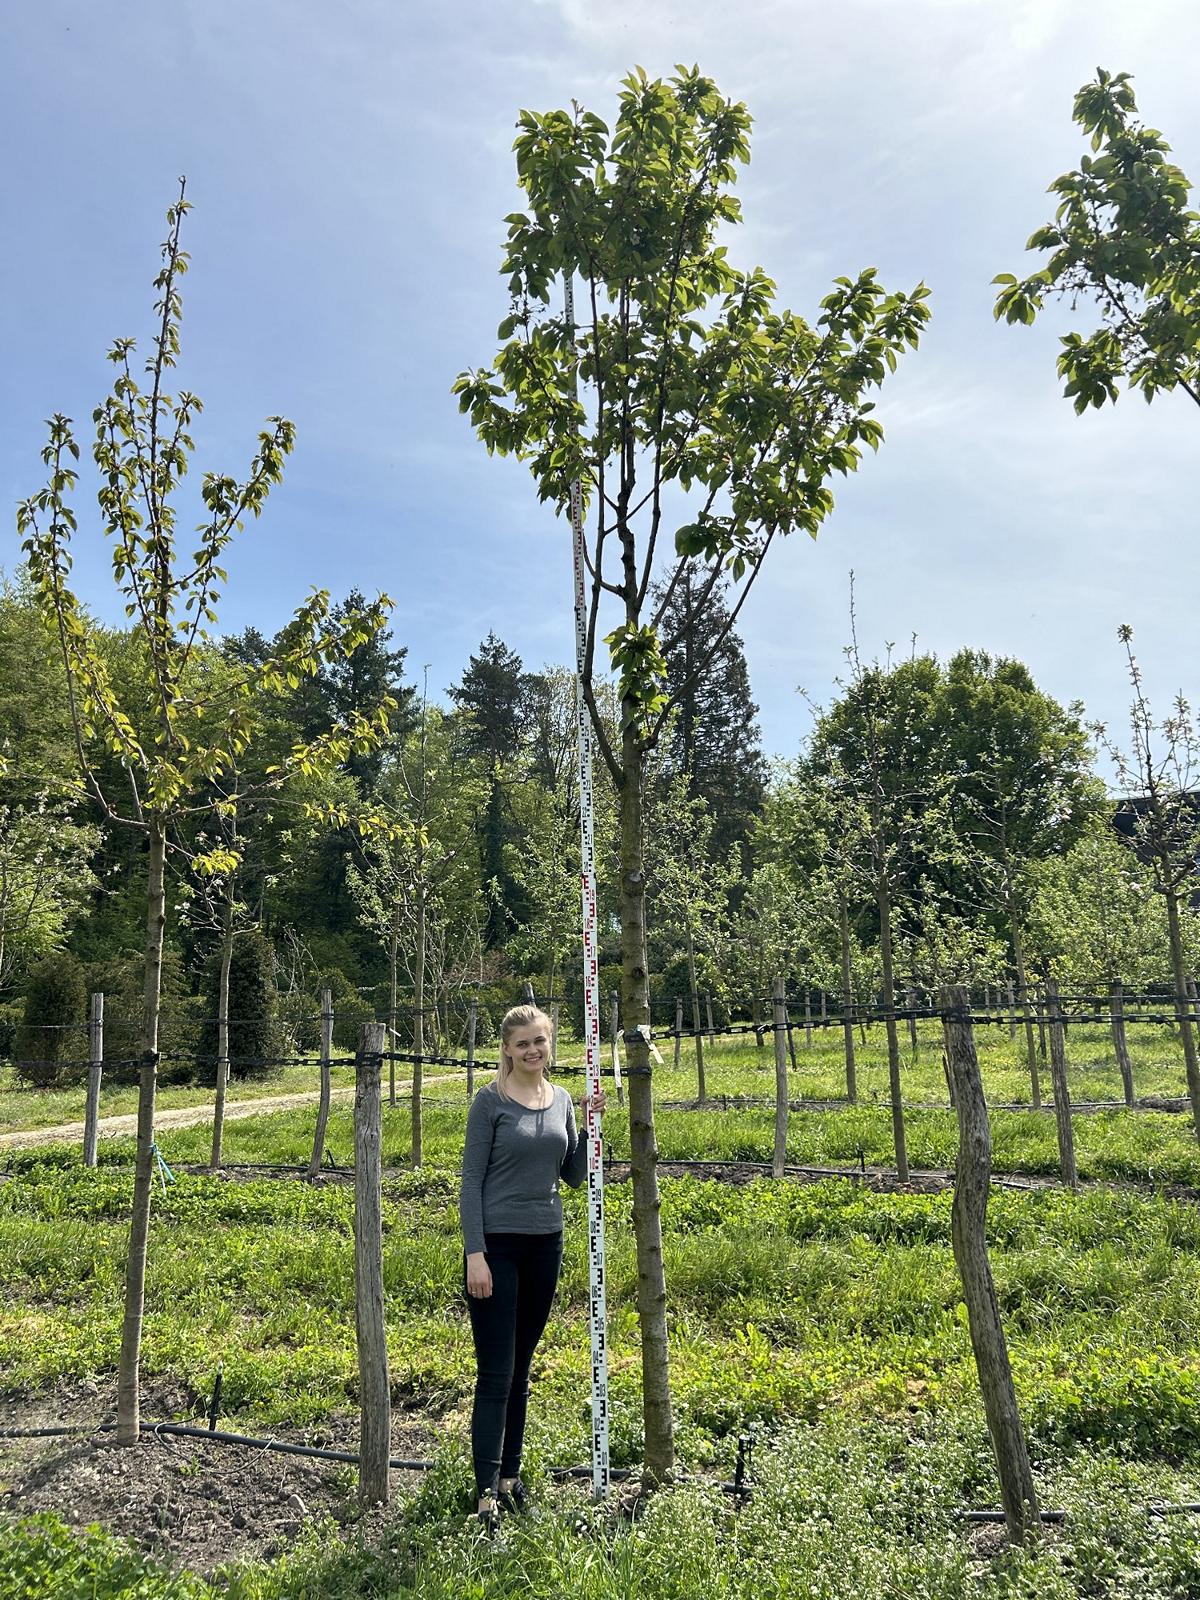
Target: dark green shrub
(254,1037)
(122,981)
(11,1012)
(51,1045)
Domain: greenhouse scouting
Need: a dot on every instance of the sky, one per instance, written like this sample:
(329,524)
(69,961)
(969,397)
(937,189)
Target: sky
(350,166)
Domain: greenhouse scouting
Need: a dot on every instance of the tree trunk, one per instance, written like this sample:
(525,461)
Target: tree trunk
(893,1036)
(129,1420)
(1062,1093)
(1116,1006)
(1182,1005)
(969,1234)
(779,1018)
(678,1029)
(374,1387)
(1012,1010)
(218,1132)
(1031,1057)
(418,1030)
(393,963)
(847,1009)
(318,1150)
(697,1035)
(659,1447)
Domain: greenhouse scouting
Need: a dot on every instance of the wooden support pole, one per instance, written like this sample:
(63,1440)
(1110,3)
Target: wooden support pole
(374,1385)
(712,1032)
(910,1004)
(1116,1006)
(779,1020)
(91,1116)
(472,1029)
(808,1019)
(678,1028)
(614,1008)
(1012,1009)
(1062,1094)
(698,1040)
(318,1150)
(1018,1494)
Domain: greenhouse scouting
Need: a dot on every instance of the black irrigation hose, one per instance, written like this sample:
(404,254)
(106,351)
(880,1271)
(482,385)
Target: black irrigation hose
(215,1436)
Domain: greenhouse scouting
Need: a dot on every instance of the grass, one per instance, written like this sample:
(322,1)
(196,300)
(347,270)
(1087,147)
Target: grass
(827,1316)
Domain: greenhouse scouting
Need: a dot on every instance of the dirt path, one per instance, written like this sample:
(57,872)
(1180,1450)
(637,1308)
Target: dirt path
(182,1117)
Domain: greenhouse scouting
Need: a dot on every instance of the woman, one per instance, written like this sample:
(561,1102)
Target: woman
(521,1141)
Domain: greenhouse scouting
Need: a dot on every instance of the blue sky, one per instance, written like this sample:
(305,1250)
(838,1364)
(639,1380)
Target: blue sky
(350,166)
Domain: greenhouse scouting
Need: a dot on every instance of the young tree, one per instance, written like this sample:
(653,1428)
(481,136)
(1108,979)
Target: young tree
(1160,776)
(704,406)
(172,743)
(687,884)
(1124,239)
(876,755)
(1022,786)
(407,888)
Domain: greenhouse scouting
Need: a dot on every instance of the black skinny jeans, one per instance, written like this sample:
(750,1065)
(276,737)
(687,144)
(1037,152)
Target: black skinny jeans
(507,1326)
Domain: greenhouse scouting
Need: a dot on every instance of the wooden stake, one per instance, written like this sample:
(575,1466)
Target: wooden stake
(91,1117)
(779,1018)
(318,1150)
(678,1028)
(1062,1094)
(374,1385)
(969,1233)
(1116,1005)
(472,1026)
(614,1006)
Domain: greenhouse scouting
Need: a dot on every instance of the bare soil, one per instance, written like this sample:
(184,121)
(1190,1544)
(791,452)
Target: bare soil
(193,1503)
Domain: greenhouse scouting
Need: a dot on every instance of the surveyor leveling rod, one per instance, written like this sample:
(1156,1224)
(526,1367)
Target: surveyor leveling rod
(591,1001)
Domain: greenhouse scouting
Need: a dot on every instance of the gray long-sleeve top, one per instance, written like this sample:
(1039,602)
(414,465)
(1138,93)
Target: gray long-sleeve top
(512,1163)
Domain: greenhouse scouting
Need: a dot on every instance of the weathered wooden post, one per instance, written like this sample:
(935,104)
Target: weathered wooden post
(222,1089)
(91,1116)
(318,1150)
(1018,1495)
(779,1019)
(807,1018)
(472,1028)
(712,1032)
(698,1036)
(1116,1006)
(678,1028)
(554,1009)
(910,1005)
(756,1021)
(791,1041)
(848,1046)
(1062,1094)
(614,1011)
(1012,1008)
(374,1386)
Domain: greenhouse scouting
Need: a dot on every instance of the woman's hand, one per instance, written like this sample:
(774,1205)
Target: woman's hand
(479,1276)
(596,1101)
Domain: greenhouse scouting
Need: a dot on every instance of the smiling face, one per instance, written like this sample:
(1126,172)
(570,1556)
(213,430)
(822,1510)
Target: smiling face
(528,1047)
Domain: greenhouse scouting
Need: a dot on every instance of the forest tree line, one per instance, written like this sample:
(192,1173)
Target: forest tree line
(941,820)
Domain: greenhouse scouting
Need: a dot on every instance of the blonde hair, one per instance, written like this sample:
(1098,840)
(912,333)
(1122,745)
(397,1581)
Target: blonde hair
(519,1017)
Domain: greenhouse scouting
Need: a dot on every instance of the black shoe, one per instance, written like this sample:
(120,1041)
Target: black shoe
(514,1502)
(488,1521)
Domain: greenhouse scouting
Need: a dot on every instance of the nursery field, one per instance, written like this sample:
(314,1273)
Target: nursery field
(822,1316)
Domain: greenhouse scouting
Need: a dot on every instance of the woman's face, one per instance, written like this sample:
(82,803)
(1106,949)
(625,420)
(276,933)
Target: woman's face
(529,1048)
